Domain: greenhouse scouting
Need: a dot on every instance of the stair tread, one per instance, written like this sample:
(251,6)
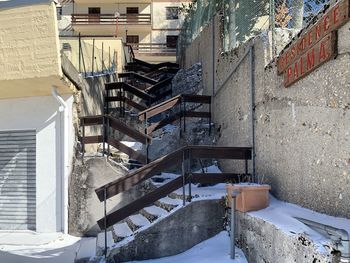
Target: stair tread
(170,201)
(122,230)
(155,210)
(139,220)
(101,239)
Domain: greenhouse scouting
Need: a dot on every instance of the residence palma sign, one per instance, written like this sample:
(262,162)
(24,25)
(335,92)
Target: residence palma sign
(314,47)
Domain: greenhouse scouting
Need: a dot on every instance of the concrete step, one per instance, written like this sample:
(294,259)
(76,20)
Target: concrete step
(121,231)
(168,203)
(137,221)
(153,212)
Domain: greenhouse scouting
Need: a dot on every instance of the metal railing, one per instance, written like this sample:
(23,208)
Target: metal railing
(180,111)
(111,19)
(153,48)
(184,157)
(109,123)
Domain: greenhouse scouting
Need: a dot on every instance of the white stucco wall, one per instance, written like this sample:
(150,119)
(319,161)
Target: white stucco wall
(159,16)
(41,114)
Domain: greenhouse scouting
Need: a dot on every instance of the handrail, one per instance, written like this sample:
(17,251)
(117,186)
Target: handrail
(122,184)
(129,88)
(163,191)
(137,76)
(171,103)
(111,122)
(185,154)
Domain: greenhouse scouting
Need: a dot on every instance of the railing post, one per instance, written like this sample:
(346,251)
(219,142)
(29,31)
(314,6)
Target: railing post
(93,57)
(83,138)
(108,131)
(102,64)
(79,53)
(105,218)
(147,146)
(189,176)
(210,117)
(183,171)
(184,112)
(103,135)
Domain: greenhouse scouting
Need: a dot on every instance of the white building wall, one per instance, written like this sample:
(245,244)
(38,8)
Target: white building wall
(159,16)
(42,114)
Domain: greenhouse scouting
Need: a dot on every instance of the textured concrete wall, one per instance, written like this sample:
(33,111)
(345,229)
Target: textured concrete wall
(302,133)
(170,236)
(263,242)
(29,42)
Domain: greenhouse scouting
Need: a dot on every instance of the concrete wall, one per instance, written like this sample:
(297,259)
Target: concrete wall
(29,50)
(171,236)
(302,133)
(42,114)
(113,52)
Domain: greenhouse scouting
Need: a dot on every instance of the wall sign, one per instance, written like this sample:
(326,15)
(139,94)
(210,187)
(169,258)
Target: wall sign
(315,46)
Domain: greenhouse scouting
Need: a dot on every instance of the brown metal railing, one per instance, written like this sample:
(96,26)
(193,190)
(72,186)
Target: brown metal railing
(182,112)
(183,156)
(108,123)
(111,19)
(153,48)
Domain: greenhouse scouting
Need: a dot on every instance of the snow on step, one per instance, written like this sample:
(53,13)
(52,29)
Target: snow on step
(170,201)
(139,220)
(122,230)
(101,239)
(155,210)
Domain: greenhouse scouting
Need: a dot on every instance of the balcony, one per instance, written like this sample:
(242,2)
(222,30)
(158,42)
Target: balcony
(153,49)
(111,19)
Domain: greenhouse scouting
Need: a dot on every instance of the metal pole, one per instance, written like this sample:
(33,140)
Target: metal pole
(102,64)
(105,219)
(108,131)
(79,53)
(252,107)
(147,148)
(189,176)
(233,219)
(103,135)
(183,178)
(83,138)
(109,58)
(213,53)
(93,57)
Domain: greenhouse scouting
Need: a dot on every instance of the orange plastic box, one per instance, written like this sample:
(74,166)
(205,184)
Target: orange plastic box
(251,197)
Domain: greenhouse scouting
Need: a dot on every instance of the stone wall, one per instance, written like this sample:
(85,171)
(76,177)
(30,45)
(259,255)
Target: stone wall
(302,132)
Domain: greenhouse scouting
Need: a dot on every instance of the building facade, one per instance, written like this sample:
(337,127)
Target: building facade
(151,27)
(36,109)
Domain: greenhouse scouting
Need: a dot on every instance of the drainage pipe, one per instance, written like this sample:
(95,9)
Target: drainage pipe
(64,157)
(252,107)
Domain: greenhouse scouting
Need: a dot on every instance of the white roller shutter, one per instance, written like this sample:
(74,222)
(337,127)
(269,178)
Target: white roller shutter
(17,180)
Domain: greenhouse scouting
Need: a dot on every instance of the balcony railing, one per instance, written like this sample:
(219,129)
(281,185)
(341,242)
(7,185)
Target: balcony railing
(111,19)
(153,48)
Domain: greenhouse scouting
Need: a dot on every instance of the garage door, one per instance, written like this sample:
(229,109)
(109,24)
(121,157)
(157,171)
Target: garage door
(17,180)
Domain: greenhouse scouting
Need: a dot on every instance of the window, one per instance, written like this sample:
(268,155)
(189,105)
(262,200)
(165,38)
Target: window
(172,13)
(94,14)
(132,39)
(94,10)
(132,10)
(171,41)
(59,12)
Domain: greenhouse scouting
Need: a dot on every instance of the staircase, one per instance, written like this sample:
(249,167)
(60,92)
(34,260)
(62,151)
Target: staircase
(147,89)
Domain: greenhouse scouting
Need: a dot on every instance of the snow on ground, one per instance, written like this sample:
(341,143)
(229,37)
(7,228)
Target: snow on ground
(136,146)
(31,247)
(216,249)
(283,216)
